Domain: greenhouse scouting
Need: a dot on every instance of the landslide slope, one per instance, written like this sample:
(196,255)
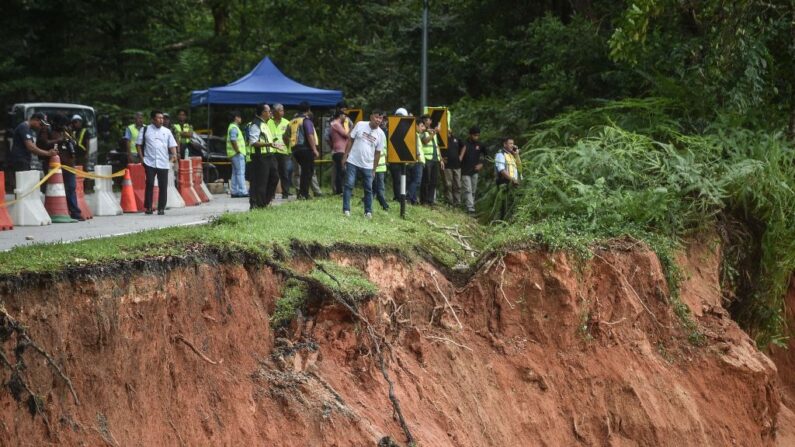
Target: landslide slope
(532,349)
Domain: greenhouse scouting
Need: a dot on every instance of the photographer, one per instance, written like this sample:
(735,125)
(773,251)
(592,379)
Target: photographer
(24,147)
(55,137)
(507,168)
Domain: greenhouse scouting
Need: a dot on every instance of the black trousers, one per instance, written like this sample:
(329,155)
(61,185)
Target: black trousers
(162,184)
(306,159)
(338,172)
(284,178)
(430,177)
(264,178)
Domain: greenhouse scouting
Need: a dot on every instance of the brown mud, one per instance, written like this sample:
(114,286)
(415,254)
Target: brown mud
(533,349)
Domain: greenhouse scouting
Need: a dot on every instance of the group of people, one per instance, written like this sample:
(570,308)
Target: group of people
(361,152)
(44,138)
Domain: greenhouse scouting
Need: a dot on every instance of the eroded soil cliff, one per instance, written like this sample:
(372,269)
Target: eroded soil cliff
(534,349)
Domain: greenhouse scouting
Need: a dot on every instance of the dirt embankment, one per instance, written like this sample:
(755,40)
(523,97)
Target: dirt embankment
(533,350)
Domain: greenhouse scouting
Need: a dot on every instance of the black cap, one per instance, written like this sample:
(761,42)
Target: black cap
(39,116)
(474,130)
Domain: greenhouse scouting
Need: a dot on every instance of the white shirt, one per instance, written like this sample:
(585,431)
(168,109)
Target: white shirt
(366,142)
(158,142)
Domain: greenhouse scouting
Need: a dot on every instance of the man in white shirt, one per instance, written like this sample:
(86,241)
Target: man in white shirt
(158,148)
(365,147)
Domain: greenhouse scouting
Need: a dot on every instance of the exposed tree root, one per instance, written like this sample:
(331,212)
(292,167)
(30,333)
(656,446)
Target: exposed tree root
(8,326)
(179,337)
(446,301)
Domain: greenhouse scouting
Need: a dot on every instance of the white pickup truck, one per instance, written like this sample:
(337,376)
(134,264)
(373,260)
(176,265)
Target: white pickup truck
(22,111)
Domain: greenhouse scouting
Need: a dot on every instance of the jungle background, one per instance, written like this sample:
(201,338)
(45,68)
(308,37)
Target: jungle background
(648,119)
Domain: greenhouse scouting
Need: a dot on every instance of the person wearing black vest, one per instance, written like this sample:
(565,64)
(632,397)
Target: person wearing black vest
(264,172)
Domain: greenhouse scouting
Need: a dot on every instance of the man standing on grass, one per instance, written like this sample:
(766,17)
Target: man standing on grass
(507,170)
(472,155)
(364,149)
(452,169)
(278,125)
(158,148)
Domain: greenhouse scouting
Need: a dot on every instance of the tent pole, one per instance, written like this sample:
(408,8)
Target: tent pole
(209,129)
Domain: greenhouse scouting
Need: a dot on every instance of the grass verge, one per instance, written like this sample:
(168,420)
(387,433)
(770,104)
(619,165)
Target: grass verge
(318,221)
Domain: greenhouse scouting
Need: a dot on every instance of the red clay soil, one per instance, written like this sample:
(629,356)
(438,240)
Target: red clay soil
(548,353)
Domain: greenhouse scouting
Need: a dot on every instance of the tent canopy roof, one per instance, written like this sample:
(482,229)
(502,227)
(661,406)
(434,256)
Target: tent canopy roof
(265,84)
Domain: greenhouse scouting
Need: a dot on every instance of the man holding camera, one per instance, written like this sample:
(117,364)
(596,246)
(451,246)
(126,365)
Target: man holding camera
(24,146)
(507,169)
(55,137)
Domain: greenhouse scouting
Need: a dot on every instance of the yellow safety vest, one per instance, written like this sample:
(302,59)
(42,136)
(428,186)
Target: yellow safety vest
(241,141)
(431,147)
(133,138)
(265,135)
(277,132)
(179,129)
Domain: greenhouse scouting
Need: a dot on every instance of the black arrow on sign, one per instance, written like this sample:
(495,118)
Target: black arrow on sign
(398,138)
(354,116)
(436,118)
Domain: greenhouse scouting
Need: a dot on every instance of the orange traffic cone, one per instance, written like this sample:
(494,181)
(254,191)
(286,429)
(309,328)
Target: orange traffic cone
(55,197)
(127,194)
(85,211)
(5,219)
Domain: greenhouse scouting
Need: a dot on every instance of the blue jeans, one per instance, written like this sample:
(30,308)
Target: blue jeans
(237,185)
(414,179)
(70,186)
(351,172)
(380,188)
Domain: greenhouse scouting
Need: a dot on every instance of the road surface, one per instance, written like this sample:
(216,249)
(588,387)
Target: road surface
(124,224)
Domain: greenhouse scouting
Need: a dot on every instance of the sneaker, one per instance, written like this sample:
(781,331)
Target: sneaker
(148,212)
(346,213)
(161,212)
(368,215)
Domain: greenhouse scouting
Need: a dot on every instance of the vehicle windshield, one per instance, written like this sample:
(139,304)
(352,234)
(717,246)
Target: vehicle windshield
(89,121)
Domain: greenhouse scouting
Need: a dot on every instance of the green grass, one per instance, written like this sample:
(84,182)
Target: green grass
(293,298)
(318,221)
(346,281)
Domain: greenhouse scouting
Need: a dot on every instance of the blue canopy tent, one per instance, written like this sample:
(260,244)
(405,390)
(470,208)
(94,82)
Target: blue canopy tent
(265,84)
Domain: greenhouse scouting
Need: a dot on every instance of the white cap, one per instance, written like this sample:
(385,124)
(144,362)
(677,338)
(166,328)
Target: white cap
(401,112)
(77,118)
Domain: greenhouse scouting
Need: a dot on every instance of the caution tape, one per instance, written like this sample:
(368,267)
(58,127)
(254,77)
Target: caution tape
(52,172)
(35,187)
(85,174)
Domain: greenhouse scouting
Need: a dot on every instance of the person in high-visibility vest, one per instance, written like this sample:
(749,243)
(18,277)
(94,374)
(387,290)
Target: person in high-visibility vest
(264,174)
(236,151)
(507,171)
(506,164)
(81,142)
(379,178)
(182,132)
(278,125)
(302,139)
(433,161)
(131,136)
(416,169)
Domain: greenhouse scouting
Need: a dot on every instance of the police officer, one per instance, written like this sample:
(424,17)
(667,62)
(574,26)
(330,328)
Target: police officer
(182,132)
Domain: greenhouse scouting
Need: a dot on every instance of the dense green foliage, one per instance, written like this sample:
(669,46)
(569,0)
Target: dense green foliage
(628,169)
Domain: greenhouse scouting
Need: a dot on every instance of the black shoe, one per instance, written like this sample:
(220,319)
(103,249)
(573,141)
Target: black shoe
(78,217)
(148,211)
(239,196)
(161,212)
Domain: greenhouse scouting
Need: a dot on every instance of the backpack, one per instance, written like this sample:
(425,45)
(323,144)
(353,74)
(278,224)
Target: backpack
(247,132)
(296,131)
